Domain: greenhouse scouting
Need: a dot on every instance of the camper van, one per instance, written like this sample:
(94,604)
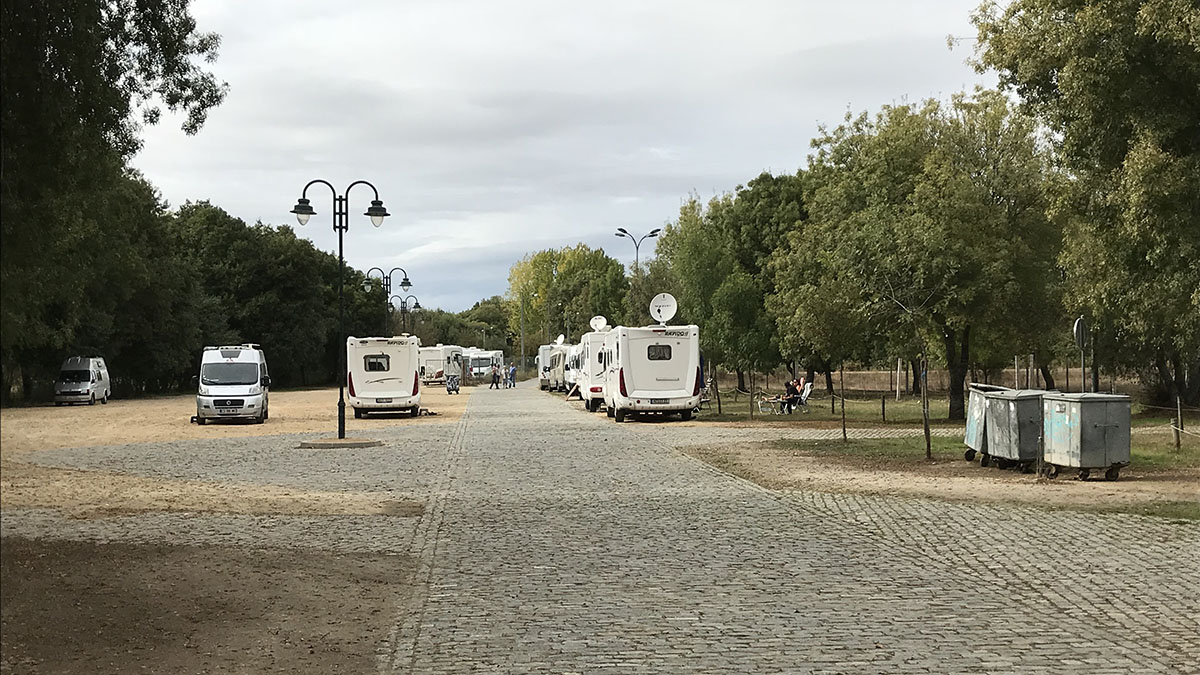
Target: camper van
(382,375)
(434,361)
(543,365)
(558,368)
(233,384)
(481,360)
(571,370)
(82,379)
(655,369)
(590,373)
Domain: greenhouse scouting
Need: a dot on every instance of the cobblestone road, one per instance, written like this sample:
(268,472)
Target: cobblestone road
(561,541)
(558,541)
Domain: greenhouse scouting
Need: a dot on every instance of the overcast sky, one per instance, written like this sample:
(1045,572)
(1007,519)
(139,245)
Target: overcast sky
(494,129)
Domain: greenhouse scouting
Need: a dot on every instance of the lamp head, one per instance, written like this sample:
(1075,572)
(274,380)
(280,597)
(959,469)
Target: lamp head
(303,211)
(376,212)
(405,283)
(654,232)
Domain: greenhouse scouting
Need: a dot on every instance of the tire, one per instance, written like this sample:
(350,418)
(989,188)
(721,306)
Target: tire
(200,421)
(93,400)
(619,415)
(985,460)
(104,399)
(57,403)
(608,410)
(1002,463)
(1084,474)
(415,411)
(969,455)
(266,412)
(685,415)
(1113,473)
(358,414)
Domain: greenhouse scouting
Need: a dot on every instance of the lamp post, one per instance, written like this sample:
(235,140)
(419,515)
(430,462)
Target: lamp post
(341,222)
(637,241)
(411,311)
(524,365)
(386,279)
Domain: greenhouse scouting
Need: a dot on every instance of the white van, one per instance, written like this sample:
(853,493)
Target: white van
(82,379)
(543,365)
(558,368)
(655,369)
(434,362)
(233,384)
(590,373)
(382,374)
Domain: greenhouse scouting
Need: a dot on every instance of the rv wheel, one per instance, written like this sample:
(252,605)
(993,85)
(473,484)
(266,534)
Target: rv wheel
(358,414)
(415,412)
(266,412)
(58,403)
(685,415)
(608,410)
(619,415)
(201,421)
(104,399)
(93,401)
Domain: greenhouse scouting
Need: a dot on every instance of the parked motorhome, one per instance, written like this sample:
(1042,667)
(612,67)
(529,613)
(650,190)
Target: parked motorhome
(434,361)
(558,368)
(382,374)
(82,379)
(482,360)
(655,369)
(543,365)
(233,384)
(571,370)
(590,373)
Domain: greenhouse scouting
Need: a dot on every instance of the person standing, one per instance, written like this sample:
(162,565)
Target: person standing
(512,375)
(495,377)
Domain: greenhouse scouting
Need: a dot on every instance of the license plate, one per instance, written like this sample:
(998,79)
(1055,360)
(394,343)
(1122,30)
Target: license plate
(227,411)
(662,401)
(383,400)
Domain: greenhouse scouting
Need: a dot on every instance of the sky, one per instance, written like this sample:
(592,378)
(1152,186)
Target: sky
(496,129)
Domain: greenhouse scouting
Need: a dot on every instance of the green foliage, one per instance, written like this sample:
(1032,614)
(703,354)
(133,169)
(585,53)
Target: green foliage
(1118,82)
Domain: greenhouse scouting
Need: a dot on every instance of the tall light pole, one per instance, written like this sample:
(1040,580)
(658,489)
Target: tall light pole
(341,223)
(386,278)
(405,308)
(637,241)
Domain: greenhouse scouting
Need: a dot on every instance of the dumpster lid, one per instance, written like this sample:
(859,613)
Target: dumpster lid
(1016,394)
(1078,396)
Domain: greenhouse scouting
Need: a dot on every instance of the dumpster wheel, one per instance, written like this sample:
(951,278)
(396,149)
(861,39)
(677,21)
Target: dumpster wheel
(969,455)
(1051,471)
(1113,473)
(1084,474)
(985,460)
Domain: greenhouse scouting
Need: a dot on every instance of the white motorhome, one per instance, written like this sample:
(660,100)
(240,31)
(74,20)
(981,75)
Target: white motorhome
(434,362)
(543,365)
(233,384)
(82,379)
(571,369)
(482,360)
(382,374)
(590,373)
(558,368)
(655,369)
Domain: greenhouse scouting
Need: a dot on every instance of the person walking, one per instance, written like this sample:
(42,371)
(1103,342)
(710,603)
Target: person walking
(495,377)
(512,375)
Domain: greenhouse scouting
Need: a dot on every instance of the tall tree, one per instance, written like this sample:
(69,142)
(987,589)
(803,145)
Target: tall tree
(1118,82)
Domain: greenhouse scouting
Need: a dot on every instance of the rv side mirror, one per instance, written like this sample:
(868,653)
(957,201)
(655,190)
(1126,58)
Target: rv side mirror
(266,380)
(195,380)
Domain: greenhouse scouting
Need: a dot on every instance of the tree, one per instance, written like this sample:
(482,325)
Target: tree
(1118,83)
(933,218)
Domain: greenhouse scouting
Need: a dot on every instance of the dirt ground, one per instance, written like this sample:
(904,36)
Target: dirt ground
(82,608)
(85,494)
(784,468)
(73,607)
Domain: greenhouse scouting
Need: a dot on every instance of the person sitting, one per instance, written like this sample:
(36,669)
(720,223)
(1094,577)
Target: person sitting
(791,396)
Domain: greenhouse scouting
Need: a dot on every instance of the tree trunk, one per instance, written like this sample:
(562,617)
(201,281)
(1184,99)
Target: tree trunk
(741,380)
(916,376)
(1168,389)
(1047,376)
(828,380)
(1191,391)
(957,354)
(812,373)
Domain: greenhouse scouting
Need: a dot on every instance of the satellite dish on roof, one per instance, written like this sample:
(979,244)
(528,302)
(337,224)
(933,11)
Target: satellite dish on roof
(663,307)
(559,340)
(598,322)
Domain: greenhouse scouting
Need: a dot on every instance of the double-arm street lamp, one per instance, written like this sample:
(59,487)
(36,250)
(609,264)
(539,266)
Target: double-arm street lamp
(386,279)
(406,309)
(637,241)
(341,223)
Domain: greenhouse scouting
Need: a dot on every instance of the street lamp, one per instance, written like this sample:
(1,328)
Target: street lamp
(386,279)
(341,222)
(637,242)
(406,309)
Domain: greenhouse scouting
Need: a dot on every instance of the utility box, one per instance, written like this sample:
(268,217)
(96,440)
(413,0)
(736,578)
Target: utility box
(1014,426)
(1085,432)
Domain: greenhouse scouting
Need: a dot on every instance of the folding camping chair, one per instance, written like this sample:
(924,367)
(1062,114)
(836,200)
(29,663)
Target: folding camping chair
(804,394)
(773,405)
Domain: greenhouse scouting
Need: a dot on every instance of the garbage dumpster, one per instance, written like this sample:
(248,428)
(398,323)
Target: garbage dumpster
(976,436)
(1085,432)
(1014,427)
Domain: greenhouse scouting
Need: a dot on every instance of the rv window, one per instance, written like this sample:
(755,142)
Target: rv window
(73,376)
(229,373)
(376,363)
(658,352)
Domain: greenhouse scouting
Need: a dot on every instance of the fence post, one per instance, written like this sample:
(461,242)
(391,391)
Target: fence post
(842,386)
(883,407)
(1177,427)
